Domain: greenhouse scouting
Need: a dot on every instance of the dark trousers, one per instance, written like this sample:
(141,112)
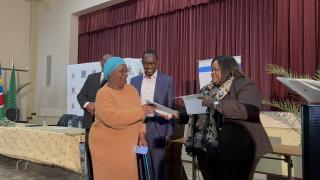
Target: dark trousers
(88,157)
(203,164)
(235,160)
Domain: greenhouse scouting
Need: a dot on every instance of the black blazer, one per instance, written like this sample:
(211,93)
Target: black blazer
(88,94)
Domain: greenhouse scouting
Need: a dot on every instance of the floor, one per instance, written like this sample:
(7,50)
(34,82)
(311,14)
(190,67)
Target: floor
(188,169)
(35,171)
(38,171)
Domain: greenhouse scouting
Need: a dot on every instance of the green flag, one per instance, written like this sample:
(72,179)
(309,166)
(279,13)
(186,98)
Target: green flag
(12,93)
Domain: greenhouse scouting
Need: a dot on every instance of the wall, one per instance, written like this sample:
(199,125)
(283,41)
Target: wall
(15,42)
(57,31)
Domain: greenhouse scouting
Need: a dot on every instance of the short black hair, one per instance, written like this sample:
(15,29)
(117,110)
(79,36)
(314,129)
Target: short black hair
(150,51)
(229,67)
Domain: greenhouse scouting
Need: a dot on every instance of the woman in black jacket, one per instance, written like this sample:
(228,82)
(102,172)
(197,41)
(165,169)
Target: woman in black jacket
(234,121)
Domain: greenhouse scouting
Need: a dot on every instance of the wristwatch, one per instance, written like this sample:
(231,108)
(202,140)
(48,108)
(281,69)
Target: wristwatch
(215,103)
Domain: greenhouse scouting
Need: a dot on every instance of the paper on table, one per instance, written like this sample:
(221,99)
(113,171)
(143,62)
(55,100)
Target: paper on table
(162,109)
(193,104)
(60,127)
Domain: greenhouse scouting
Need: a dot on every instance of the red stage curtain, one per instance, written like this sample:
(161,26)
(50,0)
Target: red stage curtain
(130,11)
(283,32)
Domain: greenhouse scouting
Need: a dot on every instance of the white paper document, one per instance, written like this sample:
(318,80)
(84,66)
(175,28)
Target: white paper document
(160,109)
(307,88)
(193,104)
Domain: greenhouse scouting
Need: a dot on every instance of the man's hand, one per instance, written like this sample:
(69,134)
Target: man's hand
(166,117)
(142,139)
(176,115)
(90,108)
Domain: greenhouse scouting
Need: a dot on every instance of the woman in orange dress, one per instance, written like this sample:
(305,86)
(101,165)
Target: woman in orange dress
(118,122)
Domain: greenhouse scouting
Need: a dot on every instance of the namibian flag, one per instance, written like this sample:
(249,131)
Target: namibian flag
(1,97)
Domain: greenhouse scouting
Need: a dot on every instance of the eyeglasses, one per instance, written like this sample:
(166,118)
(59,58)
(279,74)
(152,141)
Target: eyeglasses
(123,71)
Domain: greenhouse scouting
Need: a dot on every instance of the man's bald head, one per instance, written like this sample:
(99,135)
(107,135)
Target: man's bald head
(104,59)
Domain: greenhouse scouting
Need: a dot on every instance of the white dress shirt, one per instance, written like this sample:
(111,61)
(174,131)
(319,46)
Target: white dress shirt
(101,77)
(147,87)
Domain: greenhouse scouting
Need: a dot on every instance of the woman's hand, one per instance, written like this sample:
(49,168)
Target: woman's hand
(148,109)
(142,139)
(207,101)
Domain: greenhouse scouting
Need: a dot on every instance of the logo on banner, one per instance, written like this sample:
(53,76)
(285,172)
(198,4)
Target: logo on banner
(83,73)
(73,90)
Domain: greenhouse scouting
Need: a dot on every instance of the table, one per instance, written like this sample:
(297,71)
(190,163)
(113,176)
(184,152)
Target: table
(50,145)
(287,151)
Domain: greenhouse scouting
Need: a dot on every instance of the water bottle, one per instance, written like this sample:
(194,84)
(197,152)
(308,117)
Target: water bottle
(80,123)
(69,123)
(44,121)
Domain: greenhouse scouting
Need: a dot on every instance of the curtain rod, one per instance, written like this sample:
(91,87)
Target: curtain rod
(23,70)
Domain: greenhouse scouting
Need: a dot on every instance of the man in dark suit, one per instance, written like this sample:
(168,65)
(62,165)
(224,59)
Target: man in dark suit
(159,88)
(86,99)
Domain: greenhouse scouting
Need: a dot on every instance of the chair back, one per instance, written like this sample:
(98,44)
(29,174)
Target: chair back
(63,121)
(13,114)
(75,121)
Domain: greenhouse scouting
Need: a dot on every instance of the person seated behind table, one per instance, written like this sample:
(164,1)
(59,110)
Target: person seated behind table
(118,121)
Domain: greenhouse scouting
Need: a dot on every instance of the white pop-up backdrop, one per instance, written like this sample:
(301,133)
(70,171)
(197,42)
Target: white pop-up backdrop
(78,73)
(204,69)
